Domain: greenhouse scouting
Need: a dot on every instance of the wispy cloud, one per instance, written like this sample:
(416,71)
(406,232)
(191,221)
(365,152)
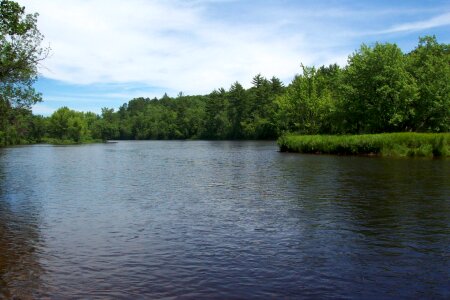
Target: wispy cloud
(170,44)
(437,21)
(43,109)
(195,46)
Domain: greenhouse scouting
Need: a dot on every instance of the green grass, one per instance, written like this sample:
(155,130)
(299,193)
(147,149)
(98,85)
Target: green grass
(385,144)
(54,141)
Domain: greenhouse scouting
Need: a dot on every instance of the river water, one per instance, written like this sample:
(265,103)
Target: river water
(222,220)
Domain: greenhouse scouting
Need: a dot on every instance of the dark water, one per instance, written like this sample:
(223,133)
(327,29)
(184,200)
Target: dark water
(220,220)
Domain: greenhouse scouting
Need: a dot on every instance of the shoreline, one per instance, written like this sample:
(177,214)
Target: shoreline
(401,144)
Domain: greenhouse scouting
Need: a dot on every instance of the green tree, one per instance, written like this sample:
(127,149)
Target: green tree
(429,64)
(155,122)
(37,128)
(260,122)
(238,109)
(378,90)
(68,125)
(137,105)
(190,112)
(20,53)
(329,81)
(109,127)
(277,86)
(18,127)
(305,104)
(217,123)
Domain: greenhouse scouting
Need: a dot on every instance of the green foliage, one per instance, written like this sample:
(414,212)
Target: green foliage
(60,122)
(217,124)
(155,122)
(239,107)
(20,52)
(19,126)
(429,64)
(191,116)
(307,102)
(238,113)
(378,91)
(386,144)
(69,126)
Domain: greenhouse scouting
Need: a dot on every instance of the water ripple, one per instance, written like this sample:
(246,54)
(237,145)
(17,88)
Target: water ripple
(225,220)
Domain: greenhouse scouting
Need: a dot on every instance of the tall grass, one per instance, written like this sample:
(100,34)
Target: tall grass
(384,144)
(61,142)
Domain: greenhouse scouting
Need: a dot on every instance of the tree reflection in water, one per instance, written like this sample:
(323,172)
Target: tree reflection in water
(20,269)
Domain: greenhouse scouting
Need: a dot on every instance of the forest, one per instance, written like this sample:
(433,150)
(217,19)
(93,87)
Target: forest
(380,90)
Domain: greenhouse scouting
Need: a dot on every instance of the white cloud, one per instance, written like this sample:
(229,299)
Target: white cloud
(176,45)
(42,109)
(437,21)
(168,44)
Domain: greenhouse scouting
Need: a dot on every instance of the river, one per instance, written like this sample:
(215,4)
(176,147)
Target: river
(222,220)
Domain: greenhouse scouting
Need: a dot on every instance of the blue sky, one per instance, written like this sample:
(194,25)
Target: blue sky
(106,52)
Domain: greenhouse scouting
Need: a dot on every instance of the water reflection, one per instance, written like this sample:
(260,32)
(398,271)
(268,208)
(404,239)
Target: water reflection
(384,222)
(220,220)
(20,239)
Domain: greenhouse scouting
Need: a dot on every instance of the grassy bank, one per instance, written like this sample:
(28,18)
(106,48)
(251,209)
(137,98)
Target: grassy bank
(385,144)
(53,141)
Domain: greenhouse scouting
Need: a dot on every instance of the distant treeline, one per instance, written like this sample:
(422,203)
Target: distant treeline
(380,90)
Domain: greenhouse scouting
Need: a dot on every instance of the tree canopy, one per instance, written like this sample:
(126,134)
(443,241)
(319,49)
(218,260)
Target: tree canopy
(381,89)
(20,53)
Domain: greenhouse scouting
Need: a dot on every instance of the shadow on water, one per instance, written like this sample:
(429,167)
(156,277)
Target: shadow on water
(215,219)
(382,224)
(20,269)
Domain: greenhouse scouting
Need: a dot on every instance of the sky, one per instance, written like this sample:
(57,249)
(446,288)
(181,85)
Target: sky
(107,52)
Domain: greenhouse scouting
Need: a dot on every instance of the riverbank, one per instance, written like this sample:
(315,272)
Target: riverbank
(405,144)
(53,141)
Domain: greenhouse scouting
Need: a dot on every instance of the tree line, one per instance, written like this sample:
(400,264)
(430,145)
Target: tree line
(381,89)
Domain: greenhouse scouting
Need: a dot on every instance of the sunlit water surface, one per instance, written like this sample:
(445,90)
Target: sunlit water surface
(226,220)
